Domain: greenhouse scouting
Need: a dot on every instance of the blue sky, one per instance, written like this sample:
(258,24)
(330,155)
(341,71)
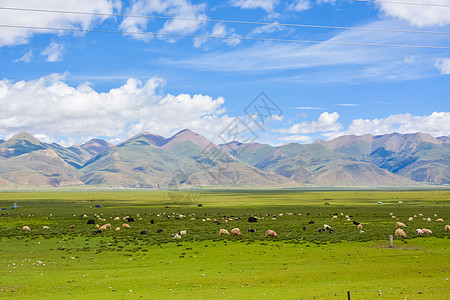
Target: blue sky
(69,86)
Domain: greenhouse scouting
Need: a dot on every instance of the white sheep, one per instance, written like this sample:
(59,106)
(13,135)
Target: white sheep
(447,227)
(428,219)
(125,225)
(427,231)
(223,231)
(439,220)
(359,226)
(176,236)
(400,224)
(419,231)
(45,227)
(116,219)
(26,228)
(411,219)
(400,233)
(183,232)
(335,217)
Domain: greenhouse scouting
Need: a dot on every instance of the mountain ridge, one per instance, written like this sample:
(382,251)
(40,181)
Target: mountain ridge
(148,160)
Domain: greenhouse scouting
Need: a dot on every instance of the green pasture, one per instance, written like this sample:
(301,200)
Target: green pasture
(302,263)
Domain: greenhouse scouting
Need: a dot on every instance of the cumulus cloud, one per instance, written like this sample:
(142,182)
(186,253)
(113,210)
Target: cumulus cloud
(267,5)
(173,8)
(50,106)
(26,57)
(327,122)
(443,65)
(12,36)
(418,15)
(435,124)
(53,52)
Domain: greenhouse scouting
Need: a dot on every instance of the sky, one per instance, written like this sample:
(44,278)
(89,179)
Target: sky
(247,70)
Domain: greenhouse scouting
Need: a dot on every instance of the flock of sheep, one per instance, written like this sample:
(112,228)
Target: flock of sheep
(399,232)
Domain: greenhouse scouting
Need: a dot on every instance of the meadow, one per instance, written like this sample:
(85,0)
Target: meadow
(301,263)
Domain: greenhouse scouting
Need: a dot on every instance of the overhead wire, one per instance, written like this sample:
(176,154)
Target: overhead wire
(222,37)
(224,20)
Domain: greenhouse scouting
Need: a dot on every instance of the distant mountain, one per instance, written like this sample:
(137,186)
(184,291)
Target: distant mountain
(20,144)
(417,156)
(444,139)
(151,161)
(2,141)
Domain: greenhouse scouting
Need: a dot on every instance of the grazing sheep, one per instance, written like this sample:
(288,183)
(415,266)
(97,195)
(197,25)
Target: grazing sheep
(223,231)
(326,227)
(393,217)
(334,217)
(361,231)
(427,231)
(108,225)
(117,228)
(359,226)
(435,215)
(439,220)
(271,233)
(428,219)
(116,219)
(415,216)
(26,228)
(97,226)
(183,232)
(236,231)
(447,227)
(410,219)
(400,224)
(72,226)
(176,236)
(332,231)
(400,233)
(419,231)
(103,228)
(125,225)
(420,215)
(99,219)
(45,227)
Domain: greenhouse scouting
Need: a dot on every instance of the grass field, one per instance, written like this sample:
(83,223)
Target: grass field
(64,262)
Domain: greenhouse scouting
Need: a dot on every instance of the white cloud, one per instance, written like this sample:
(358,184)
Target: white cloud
(443,64)
(308,107)
(267,5)
(300,5)
(219,30)
(327,122)
(418,15)
(319,63)
(270,28)
(50,106)
(435,124)
(297,138)
(347,104)
(17,36)
(173,8)
(26,57)
(53,52)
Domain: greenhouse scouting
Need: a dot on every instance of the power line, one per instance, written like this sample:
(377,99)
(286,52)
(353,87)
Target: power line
(406,3)
(223,37)
(226,21)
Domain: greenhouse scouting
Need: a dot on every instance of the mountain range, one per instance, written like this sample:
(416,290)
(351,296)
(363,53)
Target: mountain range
(187,158)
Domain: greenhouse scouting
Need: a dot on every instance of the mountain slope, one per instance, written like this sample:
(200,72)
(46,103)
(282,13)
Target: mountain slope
(19,144)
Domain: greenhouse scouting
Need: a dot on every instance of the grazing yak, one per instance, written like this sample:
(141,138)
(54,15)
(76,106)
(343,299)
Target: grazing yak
(251,230)
(97,231)
(130,219)
(400,233)
(159,230)
(90,222)
(144,232)
(252,220)
(152,221)
(236,231)
(271,233)
(223,231)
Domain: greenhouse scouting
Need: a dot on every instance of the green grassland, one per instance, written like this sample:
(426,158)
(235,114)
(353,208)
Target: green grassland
(64,262)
